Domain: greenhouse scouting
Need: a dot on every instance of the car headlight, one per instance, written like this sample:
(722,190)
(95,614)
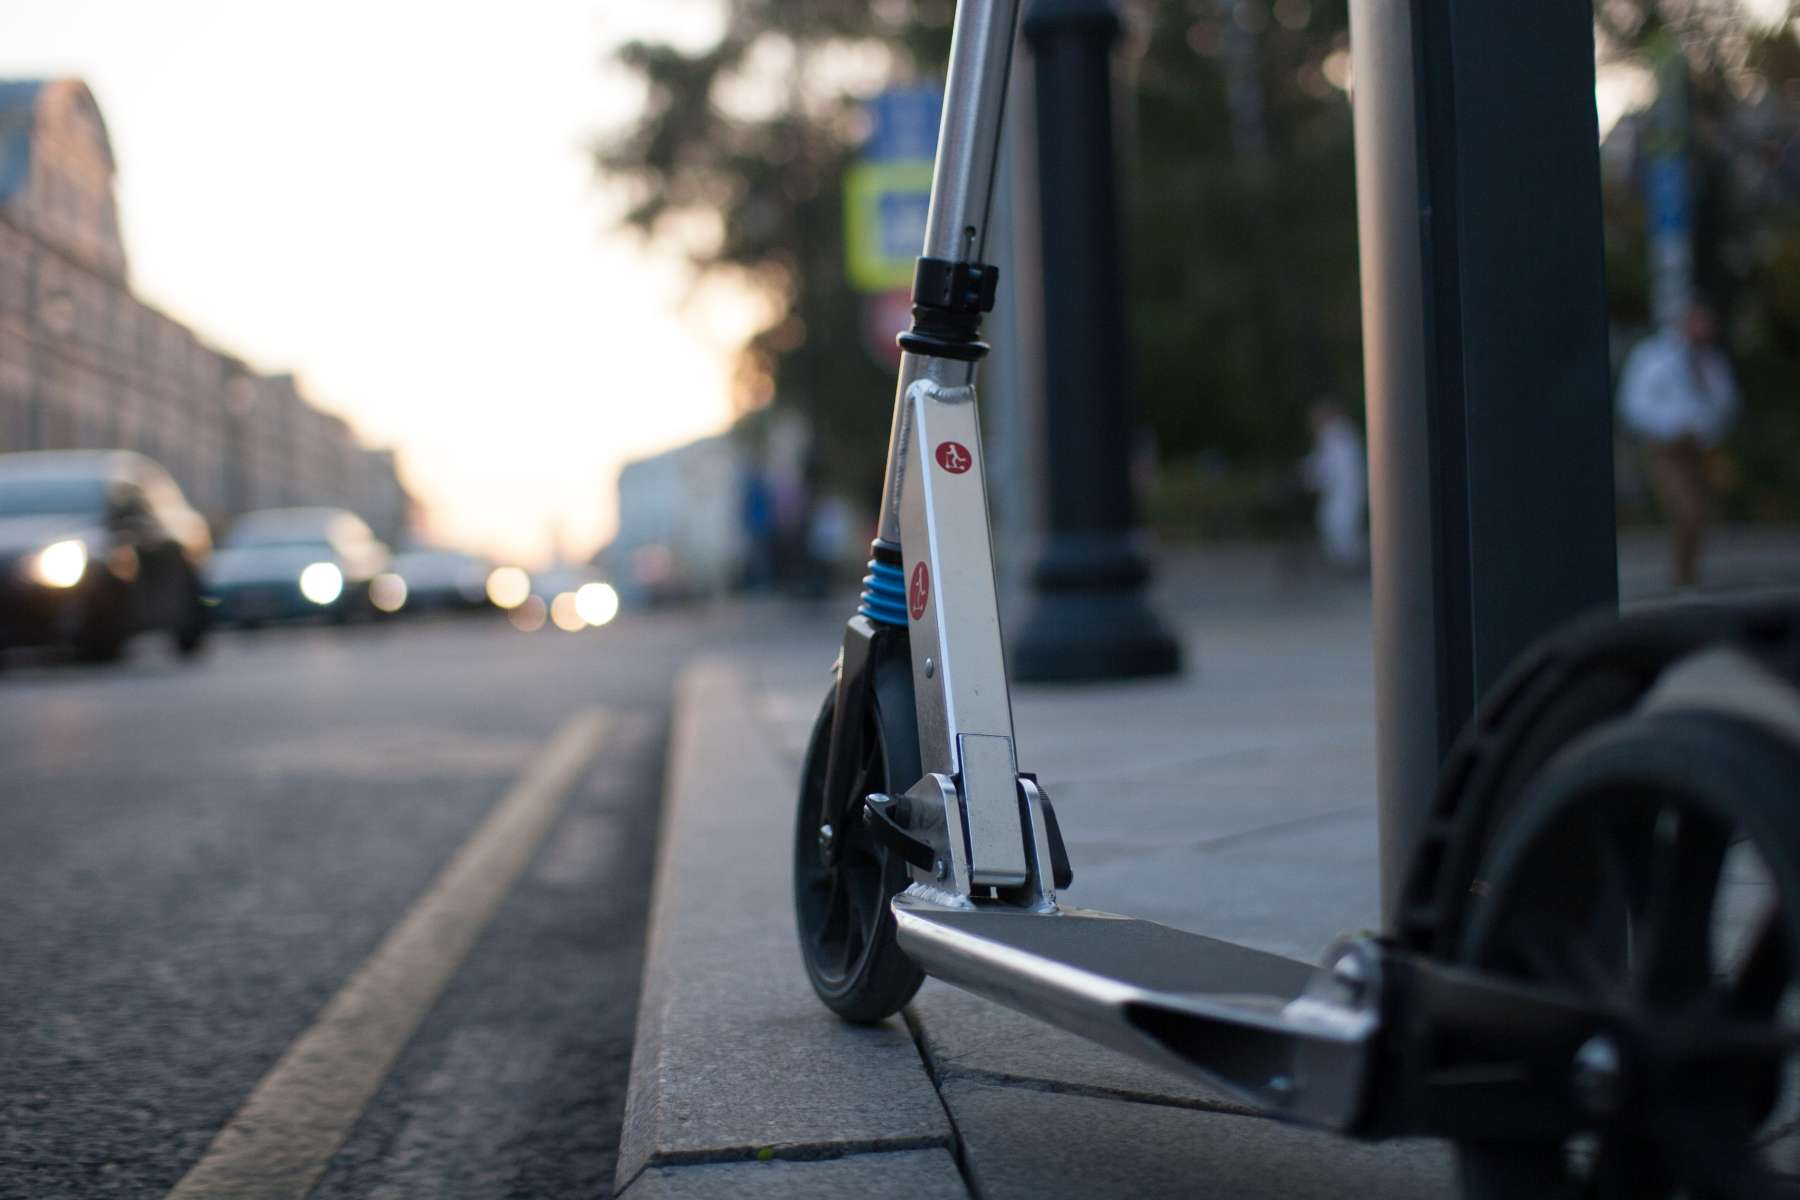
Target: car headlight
(597,603)
(321,582)
(60,564)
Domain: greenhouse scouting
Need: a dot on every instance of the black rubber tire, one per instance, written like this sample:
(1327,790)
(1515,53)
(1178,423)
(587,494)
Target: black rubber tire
(105,627)
(1722,769)
(874,980)
(190,633)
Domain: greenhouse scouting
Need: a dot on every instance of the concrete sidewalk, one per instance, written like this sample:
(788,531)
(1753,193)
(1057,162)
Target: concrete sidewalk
(1236,801)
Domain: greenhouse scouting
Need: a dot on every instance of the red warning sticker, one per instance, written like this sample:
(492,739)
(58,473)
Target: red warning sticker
(919,591)
(954,457)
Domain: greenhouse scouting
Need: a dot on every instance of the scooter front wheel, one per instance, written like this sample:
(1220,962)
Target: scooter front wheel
(844,878)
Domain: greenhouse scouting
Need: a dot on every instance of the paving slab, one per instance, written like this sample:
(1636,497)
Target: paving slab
(734,1055)
(1015,1140)
(903,1175)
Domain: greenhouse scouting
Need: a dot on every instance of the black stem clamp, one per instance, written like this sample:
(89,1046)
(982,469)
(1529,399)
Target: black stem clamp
(948,300)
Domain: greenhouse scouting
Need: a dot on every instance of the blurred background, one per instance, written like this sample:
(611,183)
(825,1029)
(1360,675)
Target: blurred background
(615,285)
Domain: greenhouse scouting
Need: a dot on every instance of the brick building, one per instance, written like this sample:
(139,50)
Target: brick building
(85,364)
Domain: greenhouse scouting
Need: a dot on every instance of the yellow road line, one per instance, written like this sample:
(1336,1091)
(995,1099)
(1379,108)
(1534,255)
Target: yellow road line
(281,1140)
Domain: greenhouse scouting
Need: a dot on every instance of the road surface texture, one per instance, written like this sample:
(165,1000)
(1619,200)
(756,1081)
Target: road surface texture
(195,860)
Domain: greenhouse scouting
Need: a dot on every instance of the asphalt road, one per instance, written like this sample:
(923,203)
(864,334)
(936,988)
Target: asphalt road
(194,860)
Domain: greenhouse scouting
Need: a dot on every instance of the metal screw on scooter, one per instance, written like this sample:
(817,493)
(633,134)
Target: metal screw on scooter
(895,808)
(872,801)
(1350,974)
(827,843)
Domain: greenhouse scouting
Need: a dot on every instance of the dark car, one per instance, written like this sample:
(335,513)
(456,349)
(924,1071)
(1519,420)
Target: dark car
(285,564)
(95,546)
(435,579)
(572,598)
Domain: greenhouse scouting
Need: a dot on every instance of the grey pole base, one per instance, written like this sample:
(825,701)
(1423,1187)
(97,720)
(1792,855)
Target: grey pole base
(1089,619)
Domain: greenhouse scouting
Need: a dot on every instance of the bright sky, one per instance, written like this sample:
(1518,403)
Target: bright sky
(393,200)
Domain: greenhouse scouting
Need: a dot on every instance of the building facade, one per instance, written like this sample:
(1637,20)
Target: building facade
(84,364)
(680,531)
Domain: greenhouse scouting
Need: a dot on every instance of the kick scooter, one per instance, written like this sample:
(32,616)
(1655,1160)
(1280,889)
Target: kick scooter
(1555,993)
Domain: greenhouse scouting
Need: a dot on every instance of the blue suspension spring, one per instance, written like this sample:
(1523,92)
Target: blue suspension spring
(884,594)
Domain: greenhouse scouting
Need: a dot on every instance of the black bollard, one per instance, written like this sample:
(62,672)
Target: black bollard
(1088,617)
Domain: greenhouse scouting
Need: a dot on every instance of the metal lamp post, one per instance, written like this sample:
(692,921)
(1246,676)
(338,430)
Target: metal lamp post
(1088,617)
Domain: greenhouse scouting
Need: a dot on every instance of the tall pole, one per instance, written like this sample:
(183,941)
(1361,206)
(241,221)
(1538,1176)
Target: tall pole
(1088,617)
(1485,362)
(1670,200)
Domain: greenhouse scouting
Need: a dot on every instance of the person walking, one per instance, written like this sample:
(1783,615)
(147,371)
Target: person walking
(1678,397)
(1337,472)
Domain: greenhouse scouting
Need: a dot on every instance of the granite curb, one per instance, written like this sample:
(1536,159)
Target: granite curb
(734,1061)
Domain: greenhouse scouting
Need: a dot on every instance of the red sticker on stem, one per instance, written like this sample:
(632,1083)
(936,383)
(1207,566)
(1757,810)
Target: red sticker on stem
(954,457)
(919,591)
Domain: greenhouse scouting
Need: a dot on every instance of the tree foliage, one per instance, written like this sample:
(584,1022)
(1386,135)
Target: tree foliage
(738,159)
(1242,225)
(1243,286)
(1240,206)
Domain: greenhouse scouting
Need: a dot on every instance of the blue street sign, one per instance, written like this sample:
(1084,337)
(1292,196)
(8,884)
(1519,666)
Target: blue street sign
(903,125)
(887,191)
(1666,182)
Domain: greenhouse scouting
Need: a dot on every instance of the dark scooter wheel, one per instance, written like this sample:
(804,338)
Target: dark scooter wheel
(843,877)
(1653,870)
(190,630)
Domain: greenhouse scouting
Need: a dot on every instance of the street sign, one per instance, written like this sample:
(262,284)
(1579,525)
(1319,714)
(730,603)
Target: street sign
(1666,186)
(887,191)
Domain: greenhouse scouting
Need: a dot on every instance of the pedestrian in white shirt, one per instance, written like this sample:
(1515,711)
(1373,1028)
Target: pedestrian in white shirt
(1337,470)
(1679,398)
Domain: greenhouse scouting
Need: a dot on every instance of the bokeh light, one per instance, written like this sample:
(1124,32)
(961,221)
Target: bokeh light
(597,603)
(566,613)
(528,615)
(61,564)
(321,582)
(509,587)
(387,591)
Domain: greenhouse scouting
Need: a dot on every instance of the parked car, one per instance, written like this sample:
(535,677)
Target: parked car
(95,546)
(285,564)
(572,598)
(436,580)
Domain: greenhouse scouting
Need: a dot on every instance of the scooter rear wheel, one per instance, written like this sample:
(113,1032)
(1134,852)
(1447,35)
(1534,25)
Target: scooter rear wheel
(1653,869)
(844,878)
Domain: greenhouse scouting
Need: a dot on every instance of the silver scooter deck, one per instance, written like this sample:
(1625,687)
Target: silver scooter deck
(1264,1027)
